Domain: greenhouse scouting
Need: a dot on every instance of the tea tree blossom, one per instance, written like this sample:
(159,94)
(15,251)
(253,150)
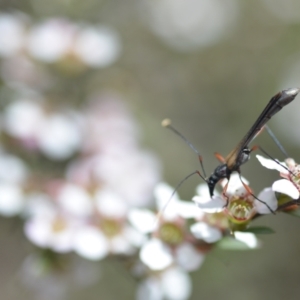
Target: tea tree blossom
(173,283)
(170,241)
(13,176)
(237,202)
(289,170)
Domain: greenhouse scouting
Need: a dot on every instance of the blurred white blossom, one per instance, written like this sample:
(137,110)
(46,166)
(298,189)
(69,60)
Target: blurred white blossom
(191,24)
(12,34)
(57,135)
(285,10)
(98,47)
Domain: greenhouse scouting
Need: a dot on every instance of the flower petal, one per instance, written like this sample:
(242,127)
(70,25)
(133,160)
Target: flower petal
(271,164)
(286,187)
(142,219)
(156,255)
(268,196)
(176,284)
(210,205)
(188,257)
(248,238)
(206,232)
(90,243)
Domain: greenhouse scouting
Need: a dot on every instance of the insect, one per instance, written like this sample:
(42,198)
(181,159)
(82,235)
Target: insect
(241,153)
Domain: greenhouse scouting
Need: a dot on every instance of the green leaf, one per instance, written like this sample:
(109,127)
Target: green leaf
(229,243)
(260,230)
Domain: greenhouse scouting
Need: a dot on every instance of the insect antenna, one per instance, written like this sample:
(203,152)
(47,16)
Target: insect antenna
(276,141)
(160,213)
(167,123)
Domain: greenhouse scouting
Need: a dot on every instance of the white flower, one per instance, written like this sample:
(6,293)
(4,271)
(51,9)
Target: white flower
(12,169)
(207,203)
(289,170)
(97,47)
(285,10)
(90,243)
(109,203)
(75,200)
(205,232)
(50,40)
(12,34)
(248,238)
(173,284)
(22,119)
(170,206)
(59,137)
(191,24)
(142,219)
(273,165)
(53,231)
(268,197)
(188,257)
(11,199)
(286,187)
(156,255)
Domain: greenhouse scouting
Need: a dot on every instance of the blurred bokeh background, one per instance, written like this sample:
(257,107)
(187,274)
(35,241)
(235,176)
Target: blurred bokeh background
(209,65)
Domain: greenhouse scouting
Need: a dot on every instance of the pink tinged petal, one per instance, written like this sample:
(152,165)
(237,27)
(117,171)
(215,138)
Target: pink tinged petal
(206,232)
(90,243)
(142,219)
(149,289)
(11,200)
(75,200)
(188,257)
(110,204)
(272,165)
(176,284)
(286,187)
(210,205)
(268,196)
(156,255)
(248,238)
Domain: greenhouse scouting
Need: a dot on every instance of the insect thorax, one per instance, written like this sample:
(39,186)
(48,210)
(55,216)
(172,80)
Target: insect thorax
(243,158)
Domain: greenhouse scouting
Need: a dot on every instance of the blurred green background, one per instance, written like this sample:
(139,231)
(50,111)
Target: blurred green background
(213,93)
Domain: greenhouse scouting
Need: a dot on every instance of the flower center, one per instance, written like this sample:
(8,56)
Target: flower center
(171,234)
(59,224)
(240,211)
(110,227)
(296,176)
